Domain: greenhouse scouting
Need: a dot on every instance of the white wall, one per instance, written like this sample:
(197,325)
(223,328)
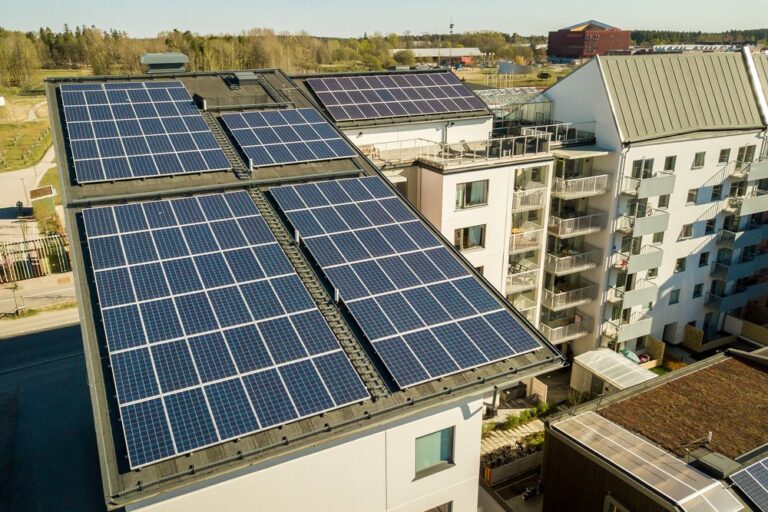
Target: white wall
(370,473)
(435,131)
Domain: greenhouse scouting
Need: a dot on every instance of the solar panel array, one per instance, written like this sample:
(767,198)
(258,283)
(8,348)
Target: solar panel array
(126,130)
(424,314)
(382,96)
(689,489)
(275,137)
(753,482)
(211,333)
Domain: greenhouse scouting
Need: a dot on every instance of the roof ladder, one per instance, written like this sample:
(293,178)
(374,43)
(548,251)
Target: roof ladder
(271,90)
(338,325)
(238,166)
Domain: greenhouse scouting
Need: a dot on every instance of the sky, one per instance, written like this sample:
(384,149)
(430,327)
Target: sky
(353,18)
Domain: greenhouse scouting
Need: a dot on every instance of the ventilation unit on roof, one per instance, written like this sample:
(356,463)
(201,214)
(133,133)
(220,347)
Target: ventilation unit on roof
(168,62)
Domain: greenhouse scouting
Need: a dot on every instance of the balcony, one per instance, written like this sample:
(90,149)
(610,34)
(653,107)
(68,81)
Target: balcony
(573,261)
(748,170)
(734,271)
(522,276)
(576,223)
(574,188)
(642,294)
(570,295)
(754,202)
(652,221)
(648,257)
(638,324)
(561,133)
(566,329)
(483,152)
(526,238)
(525,305)
(657,184)
(737,298)
(738,239)
(532,198)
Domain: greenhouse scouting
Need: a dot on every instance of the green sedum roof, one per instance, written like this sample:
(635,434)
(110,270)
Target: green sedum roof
(658,96)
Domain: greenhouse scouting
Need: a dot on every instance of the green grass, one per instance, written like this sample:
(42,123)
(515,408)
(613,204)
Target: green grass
(37,84)
(660,370)
(24,313)
(23,144)
(51,177)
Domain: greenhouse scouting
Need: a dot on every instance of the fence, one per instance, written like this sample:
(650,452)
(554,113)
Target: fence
(33,258)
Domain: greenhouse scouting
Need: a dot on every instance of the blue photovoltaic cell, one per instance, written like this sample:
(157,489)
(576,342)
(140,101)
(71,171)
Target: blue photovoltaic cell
(131,130)
(424,313)
(752,481)
(393,95)
(199,305)
(286,137)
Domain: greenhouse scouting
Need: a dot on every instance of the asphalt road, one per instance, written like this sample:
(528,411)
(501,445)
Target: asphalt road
(55,463)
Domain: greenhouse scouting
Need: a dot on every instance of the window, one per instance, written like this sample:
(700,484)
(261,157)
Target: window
(709,227)
(746,153)
(658,237)
(725,155)
(680,265)
(674,297)
(717,193)
(693,194)
(686,232)
(698,290)
(434,452)
(664,201)
(669,163)
(642,168)
(472,237)
(445,507)
(652,273)
(704,259)
(471,194)
(698,160)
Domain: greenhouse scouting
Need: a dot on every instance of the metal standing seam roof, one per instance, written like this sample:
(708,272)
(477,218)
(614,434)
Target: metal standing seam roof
(655,96)
(761,65)
(614,368)
(651,466)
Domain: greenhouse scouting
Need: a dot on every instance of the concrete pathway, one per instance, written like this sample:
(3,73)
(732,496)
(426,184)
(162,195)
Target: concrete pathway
(15,186)
(12,328)
(37,293)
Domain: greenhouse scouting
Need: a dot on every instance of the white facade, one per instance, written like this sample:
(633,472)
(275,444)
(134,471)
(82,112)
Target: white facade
(373,472)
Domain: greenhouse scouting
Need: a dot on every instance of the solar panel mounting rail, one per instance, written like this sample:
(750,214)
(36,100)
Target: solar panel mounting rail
(349,344)
(239,167)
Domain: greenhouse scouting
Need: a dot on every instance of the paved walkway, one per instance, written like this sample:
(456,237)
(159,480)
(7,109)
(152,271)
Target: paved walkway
(15,186)
(32,113)
(10,329)
(37,293)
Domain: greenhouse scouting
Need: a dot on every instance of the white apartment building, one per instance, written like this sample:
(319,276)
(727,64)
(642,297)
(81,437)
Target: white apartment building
(625,201)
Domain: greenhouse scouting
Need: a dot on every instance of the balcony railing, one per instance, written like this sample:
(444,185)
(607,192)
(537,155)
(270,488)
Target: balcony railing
(657,184)
(756,170)
(522,276)
(577,224)
(648,257)
(638,324)
(566,329)
(562,133)
(574,295)
(574,261)
(532,198)
(526,238)
(525,306)
(754,202)
(644,222)
(643,293)
(737,238)
(573,188)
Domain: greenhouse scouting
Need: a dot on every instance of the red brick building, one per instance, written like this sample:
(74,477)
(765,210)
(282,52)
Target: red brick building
(586,40)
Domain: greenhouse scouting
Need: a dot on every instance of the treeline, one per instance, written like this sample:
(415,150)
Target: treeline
(114,52)
(651,37)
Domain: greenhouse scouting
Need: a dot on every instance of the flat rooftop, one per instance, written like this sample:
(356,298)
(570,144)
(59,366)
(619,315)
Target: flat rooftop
(726,397)
(273,91)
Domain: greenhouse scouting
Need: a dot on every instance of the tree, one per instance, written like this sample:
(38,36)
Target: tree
(405,57)
(18,59)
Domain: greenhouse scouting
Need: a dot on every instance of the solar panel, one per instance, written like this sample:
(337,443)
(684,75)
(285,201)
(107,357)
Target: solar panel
(278,137)
(394,95)
(127,130)
(753,482)
(211,333)
(424,314)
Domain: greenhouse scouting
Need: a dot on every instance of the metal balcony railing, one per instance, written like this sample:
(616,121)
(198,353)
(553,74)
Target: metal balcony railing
(562,133)
(526,238)
(572,188)
(583,292)
(531,198)
(522,277)
(562,330)
(614,328)
(577,223)
(574,261)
